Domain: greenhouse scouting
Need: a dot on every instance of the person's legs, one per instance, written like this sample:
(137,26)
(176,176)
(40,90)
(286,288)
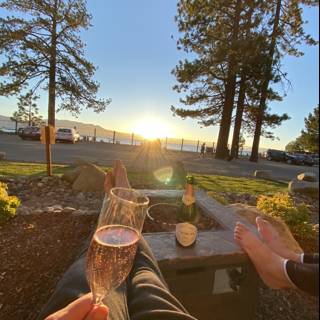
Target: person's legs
(148,295)
(268,264)
(275,271)
(304,276)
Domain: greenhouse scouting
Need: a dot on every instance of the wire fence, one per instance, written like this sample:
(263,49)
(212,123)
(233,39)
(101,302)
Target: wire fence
(117,137)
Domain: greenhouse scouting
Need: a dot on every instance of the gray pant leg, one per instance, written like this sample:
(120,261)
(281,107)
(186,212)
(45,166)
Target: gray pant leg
(148,295)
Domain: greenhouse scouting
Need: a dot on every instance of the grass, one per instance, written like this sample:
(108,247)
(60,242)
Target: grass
(23,169)
(10,169)
(212,183)
(216,183)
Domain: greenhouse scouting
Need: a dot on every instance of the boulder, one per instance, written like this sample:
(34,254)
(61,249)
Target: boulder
(250,213)
(308,176)
(3,155)
(263,174)
(90,179)
(71,175)
(68,210)
(307,188)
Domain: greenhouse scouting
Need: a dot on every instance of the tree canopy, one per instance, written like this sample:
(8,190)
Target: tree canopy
(234,51)
(41,47)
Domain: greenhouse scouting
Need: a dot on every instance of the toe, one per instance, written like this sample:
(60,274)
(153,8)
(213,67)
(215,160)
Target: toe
(108,182)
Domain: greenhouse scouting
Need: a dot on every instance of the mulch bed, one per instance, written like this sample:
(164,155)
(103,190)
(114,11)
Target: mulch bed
(35,251)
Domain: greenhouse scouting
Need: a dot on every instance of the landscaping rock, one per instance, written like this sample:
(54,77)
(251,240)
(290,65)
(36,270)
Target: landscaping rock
(263,174)
(49,209)
(68,210)
(3,155)
(304,187)
(91,178)
(79,212)
(57,207)
(72,175)
(250,213)
(308,176)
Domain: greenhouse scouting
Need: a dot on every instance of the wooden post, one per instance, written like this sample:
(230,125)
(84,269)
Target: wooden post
(198,146)
(48,151)
(114,137)
(182,144)
(132,137)
(166,142)
(95,135)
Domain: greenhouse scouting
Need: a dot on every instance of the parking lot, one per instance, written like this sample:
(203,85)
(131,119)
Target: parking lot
(104,153)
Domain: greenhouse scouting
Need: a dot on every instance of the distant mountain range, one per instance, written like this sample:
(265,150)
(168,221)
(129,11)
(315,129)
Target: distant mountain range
(85,129)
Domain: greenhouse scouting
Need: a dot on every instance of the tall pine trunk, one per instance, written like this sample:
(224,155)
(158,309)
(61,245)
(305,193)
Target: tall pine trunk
(29,115)
(239,115)
(52,70)
(265,85)
(225,124)
(242,92)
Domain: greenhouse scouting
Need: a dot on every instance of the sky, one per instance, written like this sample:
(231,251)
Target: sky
(130,42)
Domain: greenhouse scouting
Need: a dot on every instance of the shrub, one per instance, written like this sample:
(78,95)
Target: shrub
(296,217)
(8,204)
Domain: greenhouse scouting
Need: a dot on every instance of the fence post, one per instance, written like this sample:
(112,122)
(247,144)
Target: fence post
(198,146)
(166,143)
(132,137)
(182,144)
(114,137)
(95,135)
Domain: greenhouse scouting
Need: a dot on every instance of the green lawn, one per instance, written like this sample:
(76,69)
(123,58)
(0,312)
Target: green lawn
(239,185)
(11,169)
(17,169)
(212,183)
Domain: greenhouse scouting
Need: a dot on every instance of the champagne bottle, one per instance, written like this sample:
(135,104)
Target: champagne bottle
(186,231)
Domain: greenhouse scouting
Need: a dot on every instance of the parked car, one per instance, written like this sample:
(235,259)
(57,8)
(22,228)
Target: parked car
(276,155)
(32,133)
(306,159)
(282,156)
(67,135)
(315,158)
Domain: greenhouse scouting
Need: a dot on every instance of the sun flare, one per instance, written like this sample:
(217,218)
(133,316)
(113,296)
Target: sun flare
(151,128)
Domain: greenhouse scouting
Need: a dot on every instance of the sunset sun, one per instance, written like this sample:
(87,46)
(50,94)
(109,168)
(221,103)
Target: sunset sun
(151,128)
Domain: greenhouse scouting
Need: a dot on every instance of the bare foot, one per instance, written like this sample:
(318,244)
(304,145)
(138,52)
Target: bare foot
(120,175)
(268,264)
(117,177)
(108,182)
(273,240)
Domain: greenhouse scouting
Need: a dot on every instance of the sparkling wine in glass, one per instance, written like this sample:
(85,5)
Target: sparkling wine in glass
(114,244)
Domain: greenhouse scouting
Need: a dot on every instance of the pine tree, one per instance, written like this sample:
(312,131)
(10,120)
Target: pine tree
(211,31)
(28,110)
(295,146)
(287,32)
(16,118)
(310,135)
(41,47)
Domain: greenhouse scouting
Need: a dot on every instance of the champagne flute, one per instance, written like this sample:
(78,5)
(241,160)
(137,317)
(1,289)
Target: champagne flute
(114,244)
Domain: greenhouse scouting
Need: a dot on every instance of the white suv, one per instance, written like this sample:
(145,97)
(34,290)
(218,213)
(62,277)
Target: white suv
(68,135)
